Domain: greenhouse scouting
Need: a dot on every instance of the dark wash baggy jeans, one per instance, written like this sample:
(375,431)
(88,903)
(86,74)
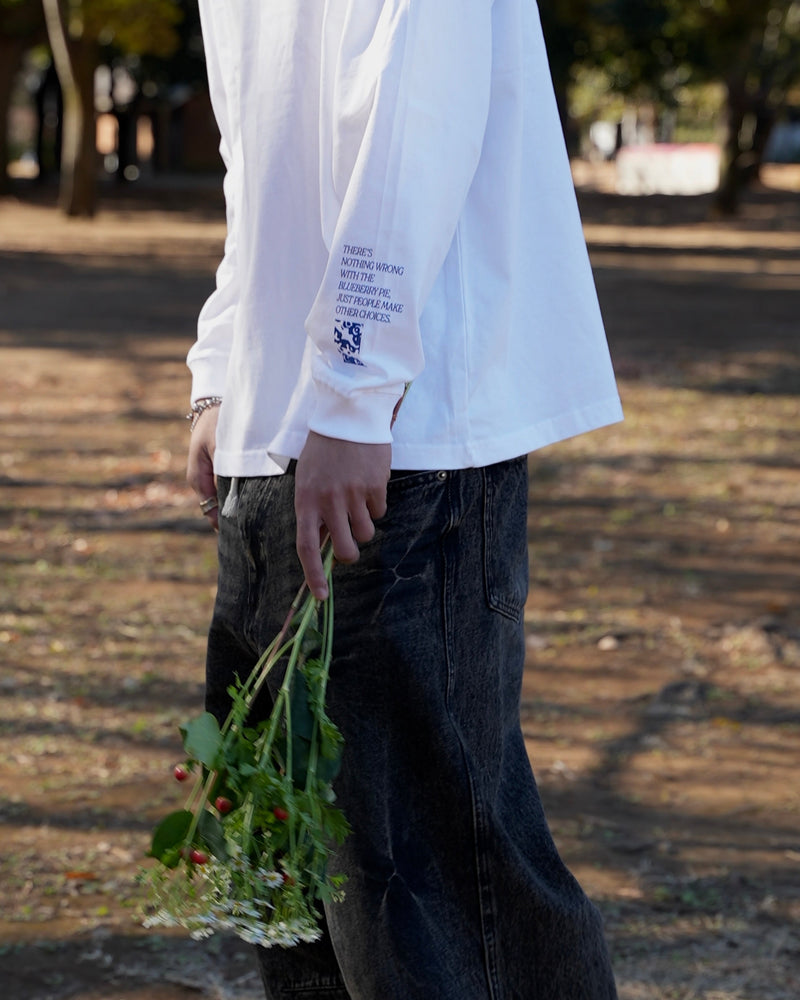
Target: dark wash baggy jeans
(455,890)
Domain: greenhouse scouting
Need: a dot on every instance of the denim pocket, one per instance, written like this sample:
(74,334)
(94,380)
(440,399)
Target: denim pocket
(401,480)
(505,529)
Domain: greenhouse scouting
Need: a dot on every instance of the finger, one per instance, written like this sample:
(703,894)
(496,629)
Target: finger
(361,527)
(206,490)
(345,546)
(200,474)
(376,503)
(200,461)
(212,517)
(308,552)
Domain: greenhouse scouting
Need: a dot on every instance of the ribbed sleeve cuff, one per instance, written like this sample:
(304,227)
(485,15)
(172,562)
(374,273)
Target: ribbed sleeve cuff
(207,380)
(364,417)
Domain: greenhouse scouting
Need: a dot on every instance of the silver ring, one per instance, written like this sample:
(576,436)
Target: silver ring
(209,504)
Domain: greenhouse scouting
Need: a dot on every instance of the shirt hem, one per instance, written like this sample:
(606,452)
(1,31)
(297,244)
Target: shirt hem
(273,458)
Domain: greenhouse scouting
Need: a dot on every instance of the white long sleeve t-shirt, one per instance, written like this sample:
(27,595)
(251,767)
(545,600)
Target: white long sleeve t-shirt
(400,209)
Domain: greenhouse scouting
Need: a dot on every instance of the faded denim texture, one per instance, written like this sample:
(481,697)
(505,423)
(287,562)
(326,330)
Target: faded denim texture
(455,889)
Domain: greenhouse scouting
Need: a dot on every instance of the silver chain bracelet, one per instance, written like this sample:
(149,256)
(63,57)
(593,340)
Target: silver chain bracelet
(200,406)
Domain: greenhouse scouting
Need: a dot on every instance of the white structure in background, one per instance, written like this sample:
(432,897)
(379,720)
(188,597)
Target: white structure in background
(603,139)
(666,168)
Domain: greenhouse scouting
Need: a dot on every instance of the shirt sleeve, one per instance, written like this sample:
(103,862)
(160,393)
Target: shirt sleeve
(208,357)
(404,105)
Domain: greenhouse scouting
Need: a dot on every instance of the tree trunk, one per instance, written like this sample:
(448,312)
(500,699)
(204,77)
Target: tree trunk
(743,153)
(78,195)
(765,122)
(732,178)
(75,63)
(11,50)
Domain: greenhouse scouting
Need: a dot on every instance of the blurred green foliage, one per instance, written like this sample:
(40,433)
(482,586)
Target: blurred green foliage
(648,48)
(735,63)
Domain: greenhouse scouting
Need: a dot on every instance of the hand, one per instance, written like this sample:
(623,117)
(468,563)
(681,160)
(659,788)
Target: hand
(340,486)
(200,465)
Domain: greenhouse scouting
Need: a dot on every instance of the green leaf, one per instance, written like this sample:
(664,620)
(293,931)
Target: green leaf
(302,717)
(301,751)
(210,829)
(202,739)
(311,643)
(328,769)
(336,826)
(331,742)
(219,785)
(169,836)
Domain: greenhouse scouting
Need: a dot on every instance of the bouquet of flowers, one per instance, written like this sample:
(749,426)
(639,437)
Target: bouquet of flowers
(249,851)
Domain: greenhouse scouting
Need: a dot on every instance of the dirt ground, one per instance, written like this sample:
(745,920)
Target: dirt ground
(662,696)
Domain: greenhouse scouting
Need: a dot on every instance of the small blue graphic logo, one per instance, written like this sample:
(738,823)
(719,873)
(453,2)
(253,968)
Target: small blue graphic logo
(347,337)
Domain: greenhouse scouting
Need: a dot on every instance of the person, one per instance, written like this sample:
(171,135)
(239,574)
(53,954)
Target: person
(400,213)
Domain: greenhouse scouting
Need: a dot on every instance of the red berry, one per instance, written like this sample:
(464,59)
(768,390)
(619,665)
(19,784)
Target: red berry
(280,814)
(288,879)
(198,857)
(181,772)
(223,805)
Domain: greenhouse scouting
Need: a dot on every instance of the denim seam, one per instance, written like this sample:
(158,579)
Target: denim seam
(249,627)
(414,479)
(484,900)
(333,990)
(511,607)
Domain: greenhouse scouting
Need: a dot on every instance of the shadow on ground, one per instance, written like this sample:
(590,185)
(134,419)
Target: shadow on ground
(661,703)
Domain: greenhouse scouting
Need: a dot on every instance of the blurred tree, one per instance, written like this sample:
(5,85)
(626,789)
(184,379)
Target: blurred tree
(633,41)
(77,30)
(185,64)
(647,48)
(567,26)
(21,25)
(624,39)
(754,49)
(165,83)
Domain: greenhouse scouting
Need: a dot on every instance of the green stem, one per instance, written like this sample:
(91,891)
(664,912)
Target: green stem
(258,681)
(326,657)
(248,825)
(206,785)
(274,652)
(258,675)
(326,654)
(285,688)
(279,645)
